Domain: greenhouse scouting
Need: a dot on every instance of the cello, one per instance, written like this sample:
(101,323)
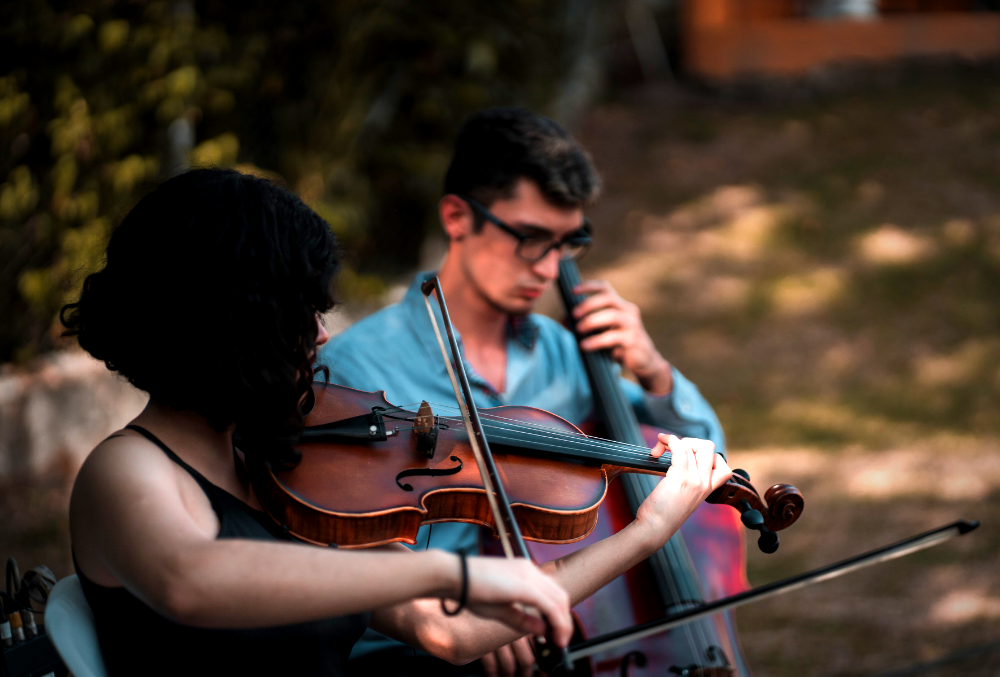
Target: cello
(705,559)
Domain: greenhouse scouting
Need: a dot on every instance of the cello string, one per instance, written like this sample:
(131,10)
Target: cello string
(601,368)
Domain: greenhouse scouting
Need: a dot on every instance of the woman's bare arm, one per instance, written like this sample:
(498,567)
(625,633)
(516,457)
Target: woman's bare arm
(464,638)
(129,519)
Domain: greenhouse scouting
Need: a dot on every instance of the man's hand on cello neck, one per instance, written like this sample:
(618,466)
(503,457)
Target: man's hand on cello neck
(616,325)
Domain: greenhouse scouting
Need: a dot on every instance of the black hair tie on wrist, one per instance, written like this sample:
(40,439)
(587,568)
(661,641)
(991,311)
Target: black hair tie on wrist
(464,595)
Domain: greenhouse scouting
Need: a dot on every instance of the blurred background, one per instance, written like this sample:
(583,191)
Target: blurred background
(803,197)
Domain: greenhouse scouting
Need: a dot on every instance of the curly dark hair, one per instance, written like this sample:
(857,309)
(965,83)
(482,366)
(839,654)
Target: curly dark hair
(208,302)
(497,146)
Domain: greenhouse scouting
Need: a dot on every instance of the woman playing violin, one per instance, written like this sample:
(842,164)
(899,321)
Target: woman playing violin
(210,301)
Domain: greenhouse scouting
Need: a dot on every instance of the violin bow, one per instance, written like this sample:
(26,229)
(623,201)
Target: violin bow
(908,546)
(546,654)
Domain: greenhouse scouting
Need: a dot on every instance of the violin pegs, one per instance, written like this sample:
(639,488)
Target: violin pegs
(768,541)
(752,519)
(742,473)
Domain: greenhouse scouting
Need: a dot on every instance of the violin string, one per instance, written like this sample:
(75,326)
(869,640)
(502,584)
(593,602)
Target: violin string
(560,443)
(619,450)
(613,449)
(516,425)
(551,437)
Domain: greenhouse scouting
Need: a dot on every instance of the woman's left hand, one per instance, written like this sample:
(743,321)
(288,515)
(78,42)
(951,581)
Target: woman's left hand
(695,472)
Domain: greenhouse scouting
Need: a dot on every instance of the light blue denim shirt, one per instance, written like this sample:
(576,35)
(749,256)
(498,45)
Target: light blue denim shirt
(395,350)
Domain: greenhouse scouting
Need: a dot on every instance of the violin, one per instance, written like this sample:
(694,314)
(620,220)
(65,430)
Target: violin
(373,473)
(339,494)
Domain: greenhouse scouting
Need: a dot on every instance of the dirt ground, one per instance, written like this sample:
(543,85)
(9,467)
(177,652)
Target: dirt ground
(827,270)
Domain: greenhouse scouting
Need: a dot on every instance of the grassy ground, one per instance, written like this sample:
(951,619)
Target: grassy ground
(828,272)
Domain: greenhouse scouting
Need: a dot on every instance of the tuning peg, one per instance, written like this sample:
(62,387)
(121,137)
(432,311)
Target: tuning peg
(742,473)
(752,519)
(768,541)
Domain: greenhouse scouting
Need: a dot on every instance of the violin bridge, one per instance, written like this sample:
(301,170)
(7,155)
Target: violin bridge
(425,429)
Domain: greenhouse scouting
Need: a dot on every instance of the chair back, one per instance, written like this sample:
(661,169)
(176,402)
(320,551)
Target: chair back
(70,625)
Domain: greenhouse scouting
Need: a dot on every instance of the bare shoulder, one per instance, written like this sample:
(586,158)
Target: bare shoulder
(127,485)
(121,461)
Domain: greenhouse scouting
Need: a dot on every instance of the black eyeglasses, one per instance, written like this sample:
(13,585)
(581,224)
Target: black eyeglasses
(536,247)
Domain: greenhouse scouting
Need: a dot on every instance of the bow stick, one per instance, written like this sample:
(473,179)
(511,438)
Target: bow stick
(546,654)
(618,638)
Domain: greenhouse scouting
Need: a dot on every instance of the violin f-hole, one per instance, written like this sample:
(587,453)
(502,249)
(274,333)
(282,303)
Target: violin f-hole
(428,472)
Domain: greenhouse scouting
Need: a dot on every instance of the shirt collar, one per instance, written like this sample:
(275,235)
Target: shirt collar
(524,328)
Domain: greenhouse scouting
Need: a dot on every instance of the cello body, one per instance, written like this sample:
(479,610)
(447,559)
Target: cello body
(704,561)
(716,542)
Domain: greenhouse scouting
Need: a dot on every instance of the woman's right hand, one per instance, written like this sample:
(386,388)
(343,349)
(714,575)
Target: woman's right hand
(508,589)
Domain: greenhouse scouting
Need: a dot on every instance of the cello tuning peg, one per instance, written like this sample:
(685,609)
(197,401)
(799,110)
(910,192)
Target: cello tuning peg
(742,473)
(768,541)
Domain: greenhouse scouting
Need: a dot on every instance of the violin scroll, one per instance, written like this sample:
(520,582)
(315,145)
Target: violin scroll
(781,506)
(785,505)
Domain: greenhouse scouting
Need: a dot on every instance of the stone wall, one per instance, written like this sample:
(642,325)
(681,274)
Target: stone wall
(53,414)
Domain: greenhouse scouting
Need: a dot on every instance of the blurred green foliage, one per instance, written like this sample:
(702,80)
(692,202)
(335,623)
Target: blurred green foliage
(351,104)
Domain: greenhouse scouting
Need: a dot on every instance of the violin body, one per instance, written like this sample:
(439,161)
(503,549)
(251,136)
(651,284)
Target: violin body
(348,494)
(355,492)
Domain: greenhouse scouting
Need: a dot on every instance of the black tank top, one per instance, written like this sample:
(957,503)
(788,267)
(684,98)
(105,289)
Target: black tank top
(135,640)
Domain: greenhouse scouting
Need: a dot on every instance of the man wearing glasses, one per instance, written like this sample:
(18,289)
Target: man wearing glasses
(513,204)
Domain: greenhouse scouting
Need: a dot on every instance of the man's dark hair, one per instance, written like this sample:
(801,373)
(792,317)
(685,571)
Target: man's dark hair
(208,302)
(498,146)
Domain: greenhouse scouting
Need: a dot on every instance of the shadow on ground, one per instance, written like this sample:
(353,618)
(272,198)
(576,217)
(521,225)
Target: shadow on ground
(828,272)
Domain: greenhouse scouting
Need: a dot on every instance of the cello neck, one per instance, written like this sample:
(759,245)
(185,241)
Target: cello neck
(613,408)
(672,568)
